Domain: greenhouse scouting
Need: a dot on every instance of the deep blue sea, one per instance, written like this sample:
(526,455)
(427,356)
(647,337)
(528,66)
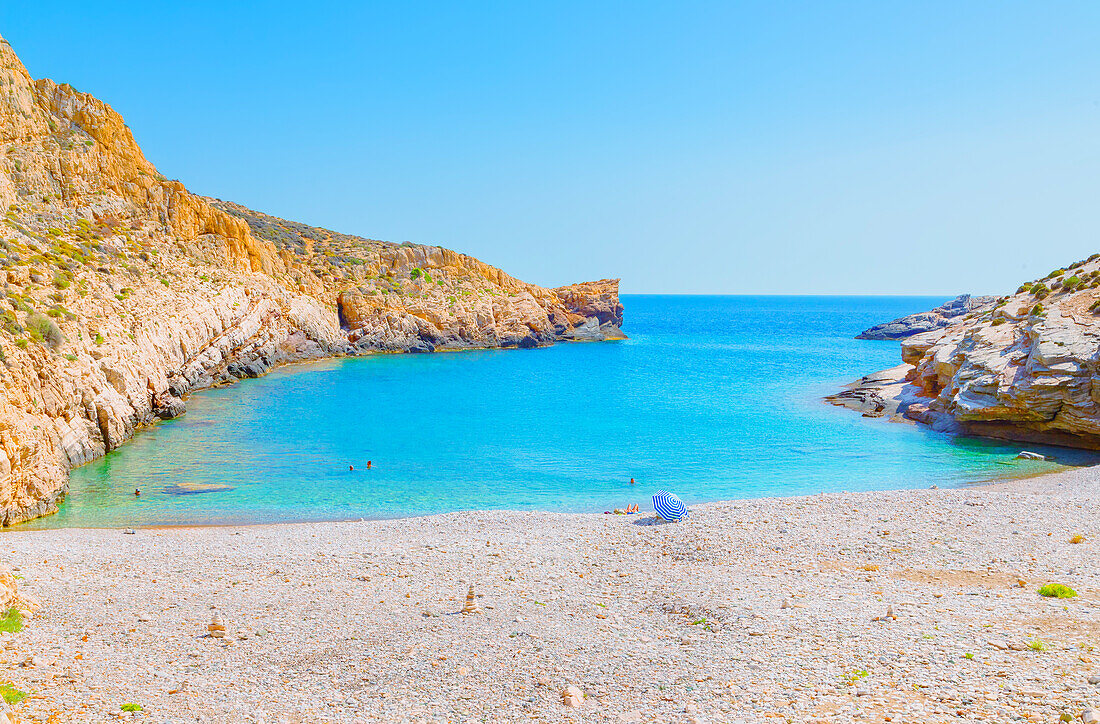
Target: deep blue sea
(711,397)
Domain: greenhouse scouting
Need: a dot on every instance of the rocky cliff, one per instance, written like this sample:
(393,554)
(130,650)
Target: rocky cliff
(1026,369)
(124,292)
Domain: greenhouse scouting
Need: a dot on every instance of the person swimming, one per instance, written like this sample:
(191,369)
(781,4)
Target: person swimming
(368,464)
(632,481)
(137,492)
(351,467)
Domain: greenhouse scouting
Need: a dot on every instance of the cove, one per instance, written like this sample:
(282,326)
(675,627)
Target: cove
(711,397)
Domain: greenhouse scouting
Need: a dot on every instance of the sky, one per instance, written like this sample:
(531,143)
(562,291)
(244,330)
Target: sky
(772,147)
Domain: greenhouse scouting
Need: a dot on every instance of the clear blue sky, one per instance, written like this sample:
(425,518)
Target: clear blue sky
(771,147)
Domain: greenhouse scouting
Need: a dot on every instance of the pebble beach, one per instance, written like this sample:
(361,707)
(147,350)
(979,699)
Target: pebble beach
(908,606)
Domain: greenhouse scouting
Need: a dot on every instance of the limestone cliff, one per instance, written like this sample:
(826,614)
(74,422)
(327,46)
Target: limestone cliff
(1027,369)
(124,292)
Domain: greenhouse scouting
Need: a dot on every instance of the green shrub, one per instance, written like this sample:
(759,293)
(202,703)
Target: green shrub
(415,273)
(21,343)
(1072,283)
(12,621)
(998,321)
(11,694)
(1039,290)
(9,323)
(1037,310)
(131,707)
(43,329)
(1057,590)
(99,338)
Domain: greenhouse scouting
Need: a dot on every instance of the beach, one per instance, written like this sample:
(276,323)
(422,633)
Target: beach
(751,610)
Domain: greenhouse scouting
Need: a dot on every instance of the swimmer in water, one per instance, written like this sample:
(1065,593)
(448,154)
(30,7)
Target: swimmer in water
(632,481)
(368,464)
(137,492)
(351,467)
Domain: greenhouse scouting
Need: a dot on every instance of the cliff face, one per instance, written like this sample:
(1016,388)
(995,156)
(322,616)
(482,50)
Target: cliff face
(1027,369)
(124,292)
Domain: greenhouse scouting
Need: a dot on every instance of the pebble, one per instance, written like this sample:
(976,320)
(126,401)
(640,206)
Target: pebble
(677,632)
(572,697)
(216,627)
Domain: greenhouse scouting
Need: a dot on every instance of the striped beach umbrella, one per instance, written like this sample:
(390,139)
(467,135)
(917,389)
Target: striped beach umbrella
(668,506)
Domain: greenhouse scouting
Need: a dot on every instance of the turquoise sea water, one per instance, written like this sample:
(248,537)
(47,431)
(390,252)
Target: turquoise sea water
(712,397)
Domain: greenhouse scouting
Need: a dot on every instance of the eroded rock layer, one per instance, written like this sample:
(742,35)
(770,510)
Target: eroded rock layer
(124,292)
(1026,369)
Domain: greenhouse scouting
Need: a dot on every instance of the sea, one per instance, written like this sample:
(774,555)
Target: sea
(711,397)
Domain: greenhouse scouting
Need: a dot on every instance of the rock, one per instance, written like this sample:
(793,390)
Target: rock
(1090,716)
(10,597)
(216,627)
(1022,370)
(888,616)
(938,318)
(167,406)
(1094,679)
(33,662)
(543,681)
(572,697)
(471,602)
(144,618)
(129,531)
(1025,455)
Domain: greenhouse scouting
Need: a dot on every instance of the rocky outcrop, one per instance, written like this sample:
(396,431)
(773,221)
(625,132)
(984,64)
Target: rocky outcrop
(124,292)
(10,597)
(1027,369)
(938,318)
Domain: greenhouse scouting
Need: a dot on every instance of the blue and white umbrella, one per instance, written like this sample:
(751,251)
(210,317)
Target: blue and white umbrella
(668,506)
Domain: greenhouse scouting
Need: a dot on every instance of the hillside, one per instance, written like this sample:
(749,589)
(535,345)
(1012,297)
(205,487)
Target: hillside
(125,292)
(1025,369)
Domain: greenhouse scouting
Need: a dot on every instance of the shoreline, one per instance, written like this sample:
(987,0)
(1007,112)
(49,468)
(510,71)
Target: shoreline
(749,609)
(977,484)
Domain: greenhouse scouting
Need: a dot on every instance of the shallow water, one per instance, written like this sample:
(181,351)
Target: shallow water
(712,397)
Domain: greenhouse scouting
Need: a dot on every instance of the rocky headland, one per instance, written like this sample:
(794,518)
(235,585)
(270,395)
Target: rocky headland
(1025,368)
(938,318)
(124,292)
